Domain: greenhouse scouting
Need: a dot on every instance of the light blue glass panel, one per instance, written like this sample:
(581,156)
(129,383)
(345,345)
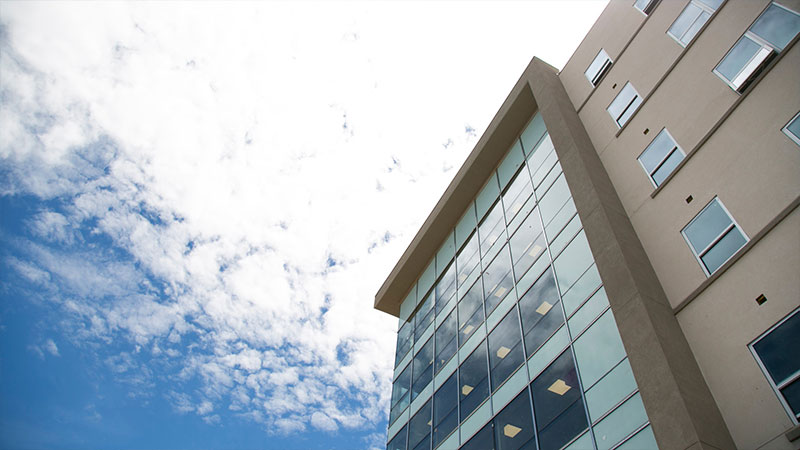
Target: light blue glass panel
(669,165)
(451,443)
(423,339)
(398,424)
(533,133)
(487,196)
(466,285)
(738,57)
(684,22)
(777,26)
(707,226)
(532,274)
(543,152)
(573,261)
(510,388)
(643,440)
(620,423)
(423,396)
(794,127)
(588,312)
(425,282)
(466,225)
(477,420)
(442,315)
(501,309)
(562,217)
(652,156)
(555,197)
(402,365)
(566,235)
(609,391)
(548,352)
(472,342)
(445,254)
(543,171)
(446,371)
(510,164)
(713,4)
(622,102)
(724,249)
(582,443)
(586,285)
(598,349)
(408,305)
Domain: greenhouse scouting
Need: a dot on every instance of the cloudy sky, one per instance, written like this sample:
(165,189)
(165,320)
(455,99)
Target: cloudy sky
(198,202)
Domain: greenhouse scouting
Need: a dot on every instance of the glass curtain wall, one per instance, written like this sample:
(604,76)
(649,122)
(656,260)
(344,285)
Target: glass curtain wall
(507,340)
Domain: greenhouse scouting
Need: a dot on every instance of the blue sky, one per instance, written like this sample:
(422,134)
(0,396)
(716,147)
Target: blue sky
(199,201)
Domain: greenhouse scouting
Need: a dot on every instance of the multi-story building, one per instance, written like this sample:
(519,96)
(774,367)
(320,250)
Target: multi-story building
(617,263)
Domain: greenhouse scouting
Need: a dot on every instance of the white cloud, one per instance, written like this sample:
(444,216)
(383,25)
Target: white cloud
(229,152)
(51,347)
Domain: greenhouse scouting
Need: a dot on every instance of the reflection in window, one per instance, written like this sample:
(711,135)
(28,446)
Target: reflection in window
(624,105)
(473,381)
(423,369)
(558,404)
(505,349)
(399,441)
(445,410)
(661,157)
(513,426)
(645,6)
(481,441)
(467,259)
(713,236)
(445,288)
(423,317)
(446,342)
(517,194)
(403,342)
(777,353)
(792,129)
(470,313)
(541,312)
(419,428)
(491,229)
(498,280)
(527,244)
(400,393)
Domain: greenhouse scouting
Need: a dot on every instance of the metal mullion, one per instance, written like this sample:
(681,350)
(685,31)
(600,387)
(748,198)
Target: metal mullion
(663,160)
(626,109)
(792,378)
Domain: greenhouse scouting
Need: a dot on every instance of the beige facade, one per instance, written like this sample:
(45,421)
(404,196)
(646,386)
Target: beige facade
(687,332)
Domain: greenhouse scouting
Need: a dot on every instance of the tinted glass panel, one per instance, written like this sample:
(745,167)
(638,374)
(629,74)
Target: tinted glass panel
(777,26)
(470,313)
(778,349)
(446,343)
(794,127)
(403,342)
(423,369)
(401,386)
(498,280)
(423,316)
(541,312)
(555,390)
(468,258)
(492,228)
(399,441)
(792,395)
(682,24)
(446,287)
(482,440)
(419,427)
(473,381)
(445,410)
(513,426)
(737,58)
(505,348)
(661,146)
(569,424)
(669,165)
(516,196)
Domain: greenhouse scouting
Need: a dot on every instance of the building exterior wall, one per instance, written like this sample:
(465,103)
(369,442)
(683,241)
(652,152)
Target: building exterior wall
(687,332)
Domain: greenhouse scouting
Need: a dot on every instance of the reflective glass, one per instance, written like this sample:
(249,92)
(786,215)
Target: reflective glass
(713,4)
(738,57)
(473,381)
(573,261)
(778,349)
(586,285)
(554,199)
(791,393)
(498,280)
(541,312)
(513,426)
(487,196)
(595,68)
(399,441)
(492,228)
(466,225)
(446,342)
(598,349)
(481,441)
(525,248)
(723,249)
(669,165)
(445,410)
(419,427)
(533,134)
(470,313)
(554,391)
(505,349)
(707,226)
(445,288)
(620,423)
(661,146)
(517,194)
(564,428)
(794,127)
(777,26)
(423,369)
(543,150)
(510,164)
(467,259)
(623,106)
(423,317)
(643,440)
(401,386)
(404,342)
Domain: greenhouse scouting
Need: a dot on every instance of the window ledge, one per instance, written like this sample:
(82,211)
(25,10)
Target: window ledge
(793,434)
(742,251)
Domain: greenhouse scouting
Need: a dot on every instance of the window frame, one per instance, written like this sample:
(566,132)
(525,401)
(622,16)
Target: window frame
(792,378)
(627,107)
(795,138)
(705,8)
(699,254)
(677,147)
(648,8)
(604,68)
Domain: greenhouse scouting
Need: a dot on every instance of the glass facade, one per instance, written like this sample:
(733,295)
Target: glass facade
(507,341)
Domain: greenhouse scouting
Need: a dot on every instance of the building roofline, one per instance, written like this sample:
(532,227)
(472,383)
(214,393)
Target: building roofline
(517,109)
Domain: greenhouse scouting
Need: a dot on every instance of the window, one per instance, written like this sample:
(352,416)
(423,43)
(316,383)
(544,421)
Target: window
(792,129)
(776,353)
(661,157)
(445,410)
(692,18)
(505,349)
(598,67)
(768,35)
(473,381)
(713,236)
(624,105)
(645,6)
(557,403)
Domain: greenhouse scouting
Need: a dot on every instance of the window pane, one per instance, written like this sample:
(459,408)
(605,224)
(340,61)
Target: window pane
(794,127)
(598,349)
(707,226)
(473,381)
(777,26)
(669,165)
(723,250)
(620,423)
(470,313)
(445,410)
(445,288)
(541,312)
(467,258)
(508,167)
(403,342)
(505,348)
(554,199)
(555,390)
(498,280)
(652,156)
(692,31)
(792,395)
(628,112)
(516,195)
(778,349)
(513,426)
(423,369)
(399,441)
(491,229)
(713,4)
(481,441)
(424,316)
(564,428)
(400,388)
(624,104)
(737,58)
(573,261)
(541,153)
(597,66)
(419,427)
(684,21)
(446,342)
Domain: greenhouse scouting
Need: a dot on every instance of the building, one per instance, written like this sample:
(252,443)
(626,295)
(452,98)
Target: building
(617,263)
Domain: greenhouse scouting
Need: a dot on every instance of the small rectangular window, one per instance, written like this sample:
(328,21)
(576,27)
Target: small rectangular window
(768,35)
(624,105)
(645,6)
(792,129)
(776,353)
(598,68)
(692,18)
(713,236)
(661,157)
